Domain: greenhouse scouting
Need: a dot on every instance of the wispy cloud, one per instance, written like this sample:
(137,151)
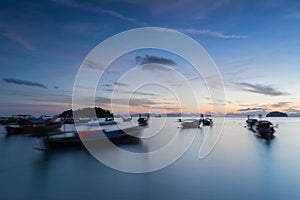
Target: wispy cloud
(212,33)
(252,109)
(98,9)
(261,89)
(174,83)
(280,104)
(129,92)
(23,82)
(121,84)
(154,59)
(19,39)
(294,15)
(94,65)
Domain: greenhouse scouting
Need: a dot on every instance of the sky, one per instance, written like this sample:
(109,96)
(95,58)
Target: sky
(254,44)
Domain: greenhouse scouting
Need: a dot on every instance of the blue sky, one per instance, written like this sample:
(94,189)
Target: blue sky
(255,45)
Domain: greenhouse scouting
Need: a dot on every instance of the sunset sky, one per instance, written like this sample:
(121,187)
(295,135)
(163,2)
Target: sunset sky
(254,44)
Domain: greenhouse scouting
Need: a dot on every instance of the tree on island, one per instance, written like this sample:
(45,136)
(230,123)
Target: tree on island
(276,114)
(87,113)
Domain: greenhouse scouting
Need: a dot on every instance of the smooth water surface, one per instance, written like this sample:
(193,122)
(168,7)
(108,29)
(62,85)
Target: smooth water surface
(240,166)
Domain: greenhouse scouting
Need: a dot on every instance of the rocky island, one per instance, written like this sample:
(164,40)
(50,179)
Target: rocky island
(276,114)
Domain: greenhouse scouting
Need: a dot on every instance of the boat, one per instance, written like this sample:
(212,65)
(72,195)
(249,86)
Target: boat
(101,123)
(78,139)
(33,127)
(191,123)
(250,122)
(143,120)
(128,119)
(261,128)
(264,129)
(206,121)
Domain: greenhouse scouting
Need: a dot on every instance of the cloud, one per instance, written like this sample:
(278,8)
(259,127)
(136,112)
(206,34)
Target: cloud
(281,104)
(23,82)
(56,87)
(174,83)
(97,9)
(19,39)
(212,33)
(252,109)
(261,89)
(295,15)
(154,59)
(121,84)
(129,92)
(93,65)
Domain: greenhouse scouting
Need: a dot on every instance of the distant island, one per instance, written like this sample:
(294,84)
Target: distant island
(276,114)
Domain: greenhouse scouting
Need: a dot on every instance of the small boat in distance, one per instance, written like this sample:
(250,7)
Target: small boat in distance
(197,123)
(143,120)
(207,120)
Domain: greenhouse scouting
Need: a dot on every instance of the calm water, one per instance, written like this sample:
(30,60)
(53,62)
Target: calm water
(240,166)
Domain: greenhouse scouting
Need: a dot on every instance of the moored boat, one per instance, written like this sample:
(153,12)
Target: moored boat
(34,128)
(264,129)
(78,139)
(143,120)
(191,123)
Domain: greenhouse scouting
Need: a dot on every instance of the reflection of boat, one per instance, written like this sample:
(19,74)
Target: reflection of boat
(264,129)
(35,127)
(143,120)
(76,139)
(191,123)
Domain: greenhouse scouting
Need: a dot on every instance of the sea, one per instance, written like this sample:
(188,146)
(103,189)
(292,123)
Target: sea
(225,161)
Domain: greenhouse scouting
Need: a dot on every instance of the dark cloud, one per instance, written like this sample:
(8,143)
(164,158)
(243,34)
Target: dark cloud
(154,59)
(56,87)
(23,82)
(261,89)
(121,84)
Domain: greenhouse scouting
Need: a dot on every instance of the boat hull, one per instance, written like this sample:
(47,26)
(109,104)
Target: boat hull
(79,139)
(34,130)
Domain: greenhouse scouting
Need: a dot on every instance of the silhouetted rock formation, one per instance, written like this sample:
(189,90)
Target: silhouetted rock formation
(276,114)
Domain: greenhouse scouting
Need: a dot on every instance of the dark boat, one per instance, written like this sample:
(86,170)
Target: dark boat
(76,139)
(143,120)
(207,120)
(34,127)
(264,129)
(250,122)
